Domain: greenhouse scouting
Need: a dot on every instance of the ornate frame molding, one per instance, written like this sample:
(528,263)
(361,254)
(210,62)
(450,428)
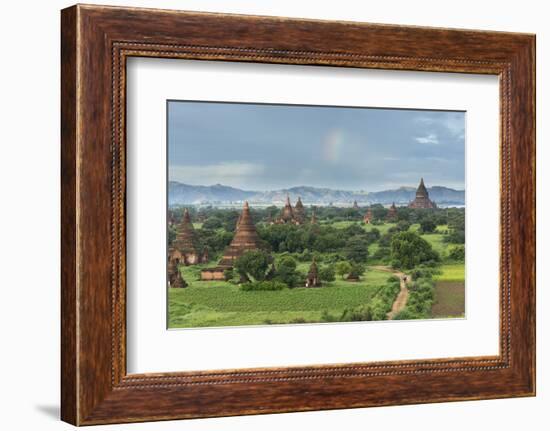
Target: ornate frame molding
(96,42)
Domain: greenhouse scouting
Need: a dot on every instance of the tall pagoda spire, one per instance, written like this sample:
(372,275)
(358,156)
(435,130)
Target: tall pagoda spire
(313,218)
(186,239)
(368,217)
(299,210)
(422,197)
(287,213)
(185,248)
(246,238)
(312,279)
(392,213)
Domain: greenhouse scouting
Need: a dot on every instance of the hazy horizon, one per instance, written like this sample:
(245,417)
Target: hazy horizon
(272,147)
(319,187)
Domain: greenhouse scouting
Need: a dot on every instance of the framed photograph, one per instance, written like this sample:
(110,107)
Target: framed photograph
(265,215)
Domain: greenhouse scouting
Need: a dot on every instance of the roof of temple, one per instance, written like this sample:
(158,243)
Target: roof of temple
(421,190)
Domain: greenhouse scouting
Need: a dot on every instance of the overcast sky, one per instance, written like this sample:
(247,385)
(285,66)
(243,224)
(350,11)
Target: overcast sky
(268,147)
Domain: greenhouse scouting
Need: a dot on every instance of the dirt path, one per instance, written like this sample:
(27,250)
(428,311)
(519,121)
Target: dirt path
(403,295)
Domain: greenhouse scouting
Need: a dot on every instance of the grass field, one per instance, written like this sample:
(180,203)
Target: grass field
(205,304)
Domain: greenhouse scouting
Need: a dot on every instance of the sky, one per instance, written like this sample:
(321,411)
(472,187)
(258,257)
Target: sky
(270,147)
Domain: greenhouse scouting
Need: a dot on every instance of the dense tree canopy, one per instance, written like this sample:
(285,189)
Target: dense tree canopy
(286,271)
(253,265)
(408,249)
(342,268)
(357,248)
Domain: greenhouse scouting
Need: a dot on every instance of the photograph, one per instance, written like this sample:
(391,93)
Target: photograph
(307,214)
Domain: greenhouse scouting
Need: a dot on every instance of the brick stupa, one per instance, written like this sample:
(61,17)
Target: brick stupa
(368,217)
(246,238)
(313,279)
(299,211)
(291,215)
(422,198)
(392,213)
(185,248)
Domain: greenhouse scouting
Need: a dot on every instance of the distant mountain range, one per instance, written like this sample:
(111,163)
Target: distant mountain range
(218,194)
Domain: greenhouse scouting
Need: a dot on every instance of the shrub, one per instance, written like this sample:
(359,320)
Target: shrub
(427,225)
(457,253)
(286,271)
(357,269)
(358,314)
(343,268)
(327,317)
(455,237)
(421,297)
(327,273)
(405,315)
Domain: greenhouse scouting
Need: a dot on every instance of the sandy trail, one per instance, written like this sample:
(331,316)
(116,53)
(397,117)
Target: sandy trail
(403,295)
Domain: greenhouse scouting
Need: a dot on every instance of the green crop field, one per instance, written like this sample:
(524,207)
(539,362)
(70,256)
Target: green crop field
(452,272)
(449,292)
(216,303)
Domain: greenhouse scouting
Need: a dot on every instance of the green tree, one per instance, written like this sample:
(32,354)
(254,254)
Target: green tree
(457,253)
(253,265)
(455,237)
(357,269)
(286,271)
(408,249)
(212,223)
(357,248)
(342,268)
(327,273)
(427,225)
(402,225)
(373,235)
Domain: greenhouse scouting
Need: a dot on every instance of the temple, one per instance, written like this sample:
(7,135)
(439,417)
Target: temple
(246,238)
(185,248)
(175,280)
(355,205)
(291,215)
(422,199)
(313,279)
(313,218)
(392,213)
(368,217)
(299,211)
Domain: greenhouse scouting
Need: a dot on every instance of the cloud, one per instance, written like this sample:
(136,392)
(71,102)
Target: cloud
(233,173)
(452,122)
(430,138)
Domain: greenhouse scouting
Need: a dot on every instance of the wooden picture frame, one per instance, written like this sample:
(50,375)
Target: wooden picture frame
(95,43)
